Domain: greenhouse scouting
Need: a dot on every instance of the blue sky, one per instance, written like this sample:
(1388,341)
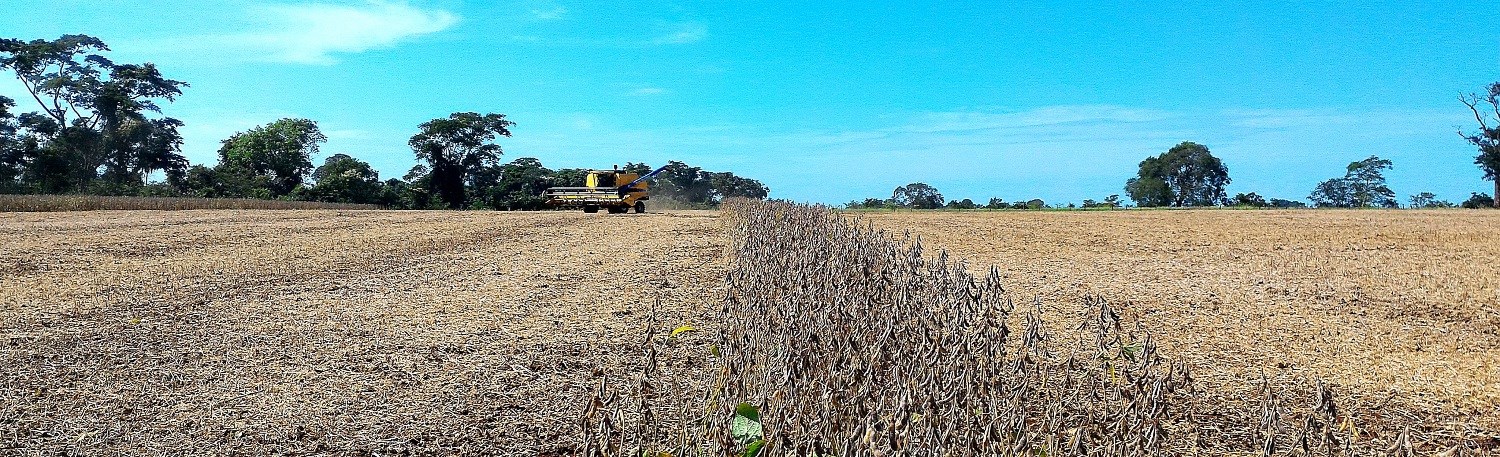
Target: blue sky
(833,101)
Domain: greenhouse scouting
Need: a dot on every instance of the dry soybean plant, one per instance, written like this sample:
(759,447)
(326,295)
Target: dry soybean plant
(838,339)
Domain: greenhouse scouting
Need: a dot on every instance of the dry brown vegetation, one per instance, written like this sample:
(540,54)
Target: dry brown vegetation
(1398,310)
(852,342)
(265,332)
(35,203)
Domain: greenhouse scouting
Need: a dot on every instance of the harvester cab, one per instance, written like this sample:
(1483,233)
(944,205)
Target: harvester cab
(617,191)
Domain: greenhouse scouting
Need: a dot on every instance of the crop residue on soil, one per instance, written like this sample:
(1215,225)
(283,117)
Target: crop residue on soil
(304,331)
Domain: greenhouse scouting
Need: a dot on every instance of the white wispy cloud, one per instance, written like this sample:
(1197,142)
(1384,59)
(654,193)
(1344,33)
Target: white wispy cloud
(312,33)
(1040,117)
(547,14)
(660,33)
(682,33)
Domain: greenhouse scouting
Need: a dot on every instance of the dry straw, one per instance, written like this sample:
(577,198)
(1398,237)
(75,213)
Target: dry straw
(852,342)
(40,203)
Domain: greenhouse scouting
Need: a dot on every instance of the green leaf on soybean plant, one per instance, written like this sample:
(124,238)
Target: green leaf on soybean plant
(746,426)
(754,448)
(1130,351)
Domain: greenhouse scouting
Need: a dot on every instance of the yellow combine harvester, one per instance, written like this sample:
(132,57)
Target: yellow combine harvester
(614,190)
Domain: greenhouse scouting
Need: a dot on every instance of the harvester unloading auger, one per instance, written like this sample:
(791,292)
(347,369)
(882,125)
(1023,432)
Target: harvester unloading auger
(614,190)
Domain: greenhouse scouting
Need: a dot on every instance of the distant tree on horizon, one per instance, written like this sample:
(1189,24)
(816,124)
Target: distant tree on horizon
(272,160)
(918,196)
(962,204)
(1362,186)
(1429,200)
(1486,109)
(695,186)
(457,147)
(1280,203)
(1186,175)
(1478,200)
(1251,199)
(345,179)
(727,185)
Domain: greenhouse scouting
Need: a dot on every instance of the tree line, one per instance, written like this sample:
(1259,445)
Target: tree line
(1188,175)
(100,131)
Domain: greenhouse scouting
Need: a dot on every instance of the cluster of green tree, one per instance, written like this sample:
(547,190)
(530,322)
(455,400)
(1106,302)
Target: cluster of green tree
(459,168)
(1428,200)
(1186,175)
(923,196)
(1486,110)
(1363,186)
(96,134)
(1254,200)
(693,186)
(1189,175)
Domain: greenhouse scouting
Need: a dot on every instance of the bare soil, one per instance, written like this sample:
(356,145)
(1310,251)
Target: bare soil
(345,332)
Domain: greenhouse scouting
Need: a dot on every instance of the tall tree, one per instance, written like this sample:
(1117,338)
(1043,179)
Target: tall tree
(12,156)
(727,185)
(520,185)
(917,195)
(417,184)
(1486,109)
(456,147)
(572,177)
(276,156)
(1363,185)
(93,114)
(1478,200)
(682,182)
(1186,175)
(346,179)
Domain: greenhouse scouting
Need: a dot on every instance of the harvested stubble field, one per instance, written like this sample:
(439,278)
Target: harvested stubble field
(358,332)
(341,332)
(44,203)
(1398,310)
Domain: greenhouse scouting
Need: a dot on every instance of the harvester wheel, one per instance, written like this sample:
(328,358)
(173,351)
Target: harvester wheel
(591,209)
(640,207)
(616,210)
